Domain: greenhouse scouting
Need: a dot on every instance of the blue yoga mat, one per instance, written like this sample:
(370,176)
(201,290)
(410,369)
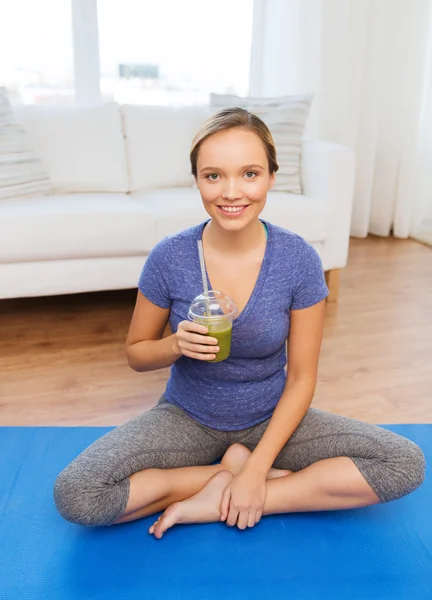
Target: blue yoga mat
(373,553)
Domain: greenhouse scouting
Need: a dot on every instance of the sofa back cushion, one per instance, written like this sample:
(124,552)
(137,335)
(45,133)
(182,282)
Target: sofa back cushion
(158,142)
(21,172)
(82,148)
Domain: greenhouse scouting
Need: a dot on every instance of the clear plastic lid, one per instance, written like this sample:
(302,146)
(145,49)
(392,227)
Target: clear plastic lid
(215,305)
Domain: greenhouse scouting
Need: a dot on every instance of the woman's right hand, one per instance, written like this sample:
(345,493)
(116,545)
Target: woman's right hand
(190,340)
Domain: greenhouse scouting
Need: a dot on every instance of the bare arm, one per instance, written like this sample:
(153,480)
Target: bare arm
(146,348)
(150,345)
(304,345)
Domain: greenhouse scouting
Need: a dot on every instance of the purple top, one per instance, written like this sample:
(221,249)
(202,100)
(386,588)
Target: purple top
(244,389)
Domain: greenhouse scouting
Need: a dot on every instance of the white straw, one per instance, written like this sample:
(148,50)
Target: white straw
(203,269)
(203,274)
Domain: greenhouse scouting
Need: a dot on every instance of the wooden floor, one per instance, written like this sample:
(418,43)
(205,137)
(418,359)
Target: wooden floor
(62,359)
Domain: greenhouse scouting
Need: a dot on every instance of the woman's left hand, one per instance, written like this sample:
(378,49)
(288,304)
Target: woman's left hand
(243,500)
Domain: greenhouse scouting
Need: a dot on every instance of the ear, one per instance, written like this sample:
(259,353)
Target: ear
(272,180)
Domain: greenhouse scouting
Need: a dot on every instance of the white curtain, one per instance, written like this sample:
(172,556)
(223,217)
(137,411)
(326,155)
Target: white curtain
(369,64)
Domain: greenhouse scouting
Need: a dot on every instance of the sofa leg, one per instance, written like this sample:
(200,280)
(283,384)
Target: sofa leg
(332,280)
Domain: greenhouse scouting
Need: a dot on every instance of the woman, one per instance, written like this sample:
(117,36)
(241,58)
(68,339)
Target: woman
(276,453)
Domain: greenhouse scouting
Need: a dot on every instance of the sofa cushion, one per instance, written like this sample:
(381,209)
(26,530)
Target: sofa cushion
(21,172)
(74,226)
(82,148)
(175,209)
(303,215)
(158,143)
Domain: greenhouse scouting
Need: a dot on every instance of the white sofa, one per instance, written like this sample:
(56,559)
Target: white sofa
(122,182)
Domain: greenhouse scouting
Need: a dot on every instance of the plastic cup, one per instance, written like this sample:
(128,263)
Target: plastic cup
(216,311)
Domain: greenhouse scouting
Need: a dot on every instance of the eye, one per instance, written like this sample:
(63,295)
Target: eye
(251,173)
(212,176)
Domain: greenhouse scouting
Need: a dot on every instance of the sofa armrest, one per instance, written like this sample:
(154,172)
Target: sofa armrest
(328,172)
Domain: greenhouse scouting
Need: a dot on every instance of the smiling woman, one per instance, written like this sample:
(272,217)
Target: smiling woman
(252,410)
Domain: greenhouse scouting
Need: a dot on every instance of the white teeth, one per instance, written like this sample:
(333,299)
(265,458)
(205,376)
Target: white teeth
(232,208)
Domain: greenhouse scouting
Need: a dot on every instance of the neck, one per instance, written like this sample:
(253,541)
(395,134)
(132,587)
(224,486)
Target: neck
(234,242)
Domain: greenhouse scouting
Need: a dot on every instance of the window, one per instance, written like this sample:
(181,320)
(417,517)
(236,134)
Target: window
(36,52)
(172,51)
(164,52)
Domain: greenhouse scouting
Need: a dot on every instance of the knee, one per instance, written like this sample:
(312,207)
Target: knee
(73,502)
(408,466)
(84,502)
(416,467)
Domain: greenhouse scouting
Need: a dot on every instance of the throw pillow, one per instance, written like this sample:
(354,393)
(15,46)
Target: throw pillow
(286,118)
(21,172)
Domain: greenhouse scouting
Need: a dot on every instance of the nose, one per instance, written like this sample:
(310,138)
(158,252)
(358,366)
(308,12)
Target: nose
(232,190)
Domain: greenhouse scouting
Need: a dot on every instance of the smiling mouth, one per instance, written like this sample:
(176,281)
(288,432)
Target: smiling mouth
(233,210)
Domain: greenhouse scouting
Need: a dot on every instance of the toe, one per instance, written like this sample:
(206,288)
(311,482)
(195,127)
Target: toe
(169,518)
(152,528)
(160,528)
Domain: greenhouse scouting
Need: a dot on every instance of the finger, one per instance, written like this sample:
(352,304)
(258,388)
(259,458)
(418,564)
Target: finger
(191,330)
(242,520)
(198,356)
(225,502)
(194,338)
(258,516)
(232,516)
(192,326)
(198,348)
(252,518)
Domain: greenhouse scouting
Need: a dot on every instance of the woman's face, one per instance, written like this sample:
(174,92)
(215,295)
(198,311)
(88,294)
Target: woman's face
(233,177)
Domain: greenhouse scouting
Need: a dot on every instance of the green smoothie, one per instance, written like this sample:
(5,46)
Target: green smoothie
(216,311)
(223,337)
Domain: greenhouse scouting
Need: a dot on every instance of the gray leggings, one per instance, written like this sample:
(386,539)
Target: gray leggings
(94,488)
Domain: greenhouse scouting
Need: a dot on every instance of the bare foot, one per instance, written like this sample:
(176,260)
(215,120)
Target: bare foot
(236,456)
(203,507)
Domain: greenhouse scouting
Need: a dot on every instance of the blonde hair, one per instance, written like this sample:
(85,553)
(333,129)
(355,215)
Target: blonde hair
(230,118)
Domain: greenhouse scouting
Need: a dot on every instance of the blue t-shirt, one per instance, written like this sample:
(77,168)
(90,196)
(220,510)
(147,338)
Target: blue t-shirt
(242,390)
